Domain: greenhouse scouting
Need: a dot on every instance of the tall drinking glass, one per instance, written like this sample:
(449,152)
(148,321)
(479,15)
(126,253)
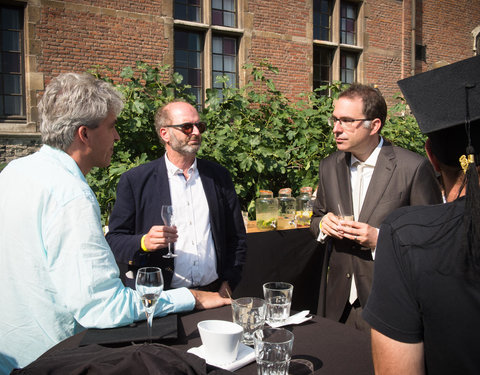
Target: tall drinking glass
(168,220)
(149,285)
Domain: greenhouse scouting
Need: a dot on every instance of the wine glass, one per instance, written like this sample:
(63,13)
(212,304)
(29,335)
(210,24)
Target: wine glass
(149,284)
(167,217)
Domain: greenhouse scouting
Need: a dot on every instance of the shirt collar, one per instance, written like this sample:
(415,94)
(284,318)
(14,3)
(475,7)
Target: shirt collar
(372,159)
(173,170)
(64,159)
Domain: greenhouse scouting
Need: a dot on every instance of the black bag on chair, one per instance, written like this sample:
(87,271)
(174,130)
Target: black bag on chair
(151,359)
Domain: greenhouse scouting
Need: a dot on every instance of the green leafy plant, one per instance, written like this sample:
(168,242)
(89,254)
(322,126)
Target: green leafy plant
(264,139)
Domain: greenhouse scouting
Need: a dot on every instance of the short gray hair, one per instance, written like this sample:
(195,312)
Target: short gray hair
(72,100)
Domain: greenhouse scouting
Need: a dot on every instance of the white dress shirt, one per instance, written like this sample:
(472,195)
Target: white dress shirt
(368,168)
(196,263)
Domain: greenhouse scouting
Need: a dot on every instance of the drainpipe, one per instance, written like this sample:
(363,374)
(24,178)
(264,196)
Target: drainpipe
(412,71)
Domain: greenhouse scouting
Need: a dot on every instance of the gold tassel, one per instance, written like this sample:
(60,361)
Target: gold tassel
(464,161)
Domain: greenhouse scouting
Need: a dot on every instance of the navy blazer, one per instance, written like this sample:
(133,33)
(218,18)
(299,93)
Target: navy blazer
(143,190)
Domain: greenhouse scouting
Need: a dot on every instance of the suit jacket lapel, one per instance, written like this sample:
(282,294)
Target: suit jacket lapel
(163,187)
(381,177)
(344,184)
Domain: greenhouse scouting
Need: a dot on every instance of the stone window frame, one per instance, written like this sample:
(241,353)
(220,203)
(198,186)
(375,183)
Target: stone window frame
(476,40)
(33,80)
(335,45)
(209,30)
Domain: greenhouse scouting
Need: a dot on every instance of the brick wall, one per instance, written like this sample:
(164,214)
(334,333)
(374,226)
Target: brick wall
(76,35)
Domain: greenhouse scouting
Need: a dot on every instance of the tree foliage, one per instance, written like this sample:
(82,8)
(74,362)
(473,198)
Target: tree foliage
(264,139)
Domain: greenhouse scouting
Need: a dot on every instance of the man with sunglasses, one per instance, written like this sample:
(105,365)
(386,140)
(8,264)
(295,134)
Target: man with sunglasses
(368,178)
(208,233)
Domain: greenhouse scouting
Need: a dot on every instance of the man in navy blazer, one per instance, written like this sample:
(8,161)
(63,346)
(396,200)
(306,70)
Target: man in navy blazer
(209,234)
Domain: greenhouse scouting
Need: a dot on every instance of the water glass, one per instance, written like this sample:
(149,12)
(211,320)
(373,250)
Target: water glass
(278,296)
(273,350)
(249,312)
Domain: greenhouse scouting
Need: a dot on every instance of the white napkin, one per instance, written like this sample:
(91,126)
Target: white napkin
(294,319)
(245,355)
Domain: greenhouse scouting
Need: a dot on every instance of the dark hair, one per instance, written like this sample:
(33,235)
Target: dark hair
(374,105)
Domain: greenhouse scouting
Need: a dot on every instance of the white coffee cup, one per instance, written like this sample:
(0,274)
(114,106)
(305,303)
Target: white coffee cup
(220,339)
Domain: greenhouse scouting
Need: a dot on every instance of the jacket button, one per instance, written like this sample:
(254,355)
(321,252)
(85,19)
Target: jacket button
(348,275)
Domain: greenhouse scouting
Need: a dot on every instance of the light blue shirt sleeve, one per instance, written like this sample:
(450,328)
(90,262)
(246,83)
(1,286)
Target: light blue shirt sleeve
(84,272)
(59,275)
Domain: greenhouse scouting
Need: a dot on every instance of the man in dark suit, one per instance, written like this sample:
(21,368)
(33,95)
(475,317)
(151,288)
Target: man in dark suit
(369,178)
(208,231)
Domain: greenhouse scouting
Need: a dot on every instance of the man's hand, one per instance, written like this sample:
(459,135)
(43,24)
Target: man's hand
(209,300)
(362,233)
(225,290)
(331,226)
(159,236)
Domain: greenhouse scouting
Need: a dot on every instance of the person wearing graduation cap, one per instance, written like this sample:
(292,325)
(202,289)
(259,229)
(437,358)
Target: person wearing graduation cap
(425,303)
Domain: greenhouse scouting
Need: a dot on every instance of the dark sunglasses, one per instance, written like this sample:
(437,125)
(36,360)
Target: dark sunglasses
(187,127)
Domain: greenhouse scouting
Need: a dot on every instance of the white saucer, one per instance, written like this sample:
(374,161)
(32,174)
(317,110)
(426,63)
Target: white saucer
(245,355)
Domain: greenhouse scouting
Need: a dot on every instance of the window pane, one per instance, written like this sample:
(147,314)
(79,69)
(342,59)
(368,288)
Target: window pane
(217,62)
(348,66)
(12,84)
(11,41)
(180,12)
(188,60)
(322,67)
(11,18)
(224,57)
(194,41)
(194,77)
(348,23)
(215,83)
(183,73)
(188,10)
(217,45)
(322,13)
(229,46)
(224,13)
(229,5)
(217,4)
(181,58)
(231,80)
(13,105)
(229,19)
(11,63)
(229,64)
(217,17)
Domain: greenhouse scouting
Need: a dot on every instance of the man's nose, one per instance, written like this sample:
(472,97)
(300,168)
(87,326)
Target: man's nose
(195,130)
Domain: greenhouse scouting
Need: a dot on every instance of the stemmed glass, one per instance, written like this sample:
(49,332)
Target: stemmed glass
(167,217)
(149,284)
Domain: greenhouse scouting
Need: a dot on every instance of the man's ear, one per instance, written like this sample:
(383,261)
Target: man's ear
(375,126)
(163,133)
(431,156)
(82,133)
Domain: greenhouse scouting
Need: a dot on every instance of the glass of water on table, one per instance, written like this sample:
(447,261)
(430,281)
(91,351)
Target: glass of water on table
(278,296)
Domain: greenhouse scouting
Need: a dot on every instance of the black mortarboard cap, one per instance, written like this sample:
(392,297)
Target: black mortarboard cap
(443,100)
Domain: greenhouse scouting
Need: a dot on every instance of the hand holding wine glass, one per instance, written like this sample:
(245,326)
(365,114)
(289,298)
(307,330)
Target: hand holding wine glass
(168,220)
(149,284)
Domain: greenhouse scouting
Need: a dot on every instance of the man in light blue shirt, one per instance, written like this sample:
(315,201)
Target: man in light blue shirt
(58,274)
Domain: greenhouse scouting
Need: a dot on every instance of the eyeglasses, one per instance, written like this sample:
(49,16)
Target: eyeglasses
(187,127)
(345,122)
